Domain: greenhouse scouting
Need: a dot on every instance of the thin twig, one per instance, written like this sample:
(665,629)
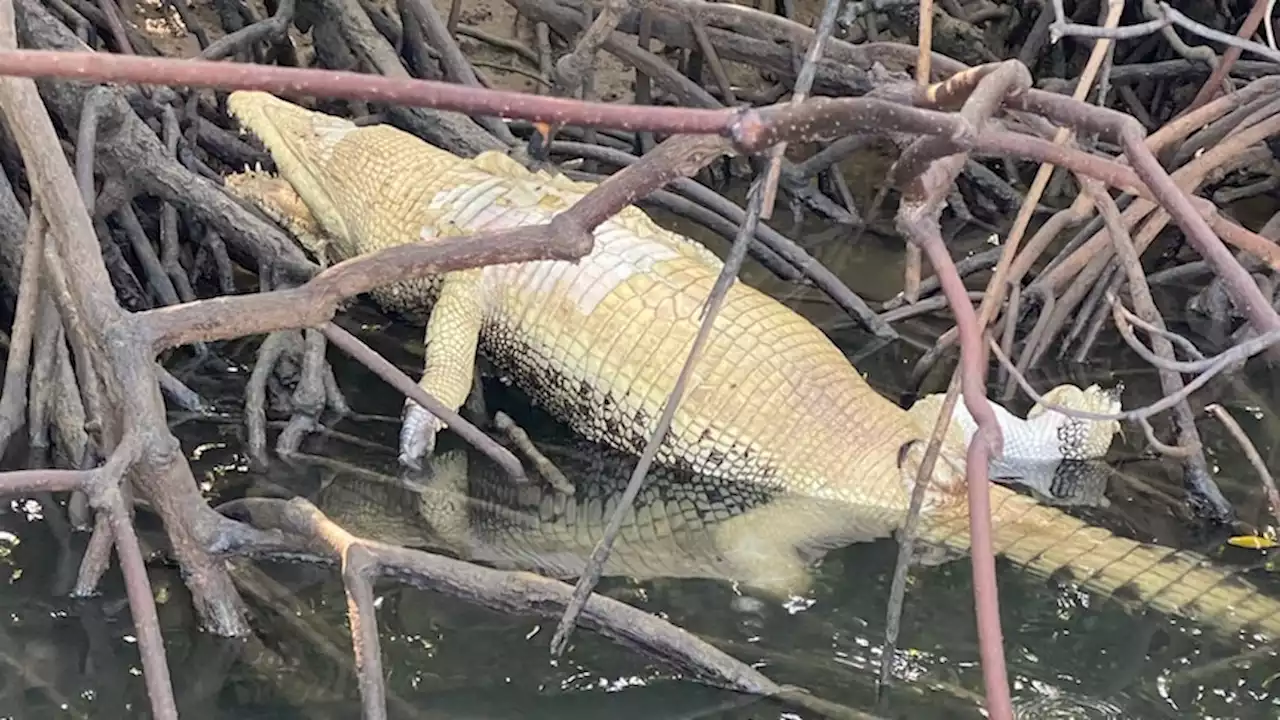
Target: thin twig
(1250,452)
(498,41)
(1125,320)
(455,63)
(917,219)
(913,265)
(116,24)
(273,27)
(572,69)
(804,83)
(13,400)
(1169,16)
(712,59)
(1218,364)
(1213,86)
(104,489)
(387,370)
(1196,469)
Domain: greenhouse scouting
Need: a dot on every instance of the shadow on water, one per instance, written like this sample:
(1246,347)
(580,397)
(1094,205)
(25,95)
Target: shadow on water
(1070,655)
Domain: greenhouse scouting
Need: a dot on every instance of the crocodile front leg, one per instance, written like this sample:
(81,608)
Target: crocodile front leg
(453,334)
(453,325)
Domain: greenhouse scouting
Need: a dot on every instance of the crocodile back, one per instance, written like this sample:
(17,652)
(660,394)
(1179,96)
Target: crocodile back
(771,402)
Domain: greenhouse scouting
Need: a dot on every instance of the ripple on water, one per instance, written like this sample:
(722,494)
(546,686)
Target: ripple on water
(1061,705)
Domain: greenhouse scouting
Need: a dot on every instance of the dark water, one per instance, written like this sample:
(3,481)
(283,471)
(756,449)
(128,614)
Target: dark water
(1070,655)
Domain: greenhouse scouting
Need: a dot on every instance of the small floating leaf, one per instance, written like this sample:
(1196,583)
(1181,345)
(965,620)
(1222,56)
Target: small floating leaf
(1254,542)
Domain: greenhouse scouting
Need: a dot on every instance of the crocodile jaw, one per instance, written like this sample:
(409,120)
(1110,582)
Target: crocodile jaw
(301,142)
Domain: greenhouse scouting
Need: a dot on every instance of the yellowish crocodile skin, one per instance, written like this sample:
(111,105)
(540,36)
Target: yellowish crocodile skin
(599,343)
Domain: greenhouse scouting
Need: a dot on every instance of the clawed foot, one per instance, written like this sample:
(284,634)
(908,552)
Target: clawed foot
(417,435)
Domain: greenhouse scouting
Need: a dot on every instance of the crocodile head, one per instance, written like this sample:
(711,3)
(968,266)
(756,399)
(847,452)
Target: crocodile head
(277,199)
(302,143)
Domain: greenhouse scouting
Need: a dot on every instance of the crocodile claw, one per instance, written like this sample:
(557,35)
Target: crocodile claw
(417,434)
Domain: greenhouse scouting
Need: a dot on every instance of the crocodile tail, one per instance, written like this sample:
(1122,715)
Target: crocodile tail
(1051,543)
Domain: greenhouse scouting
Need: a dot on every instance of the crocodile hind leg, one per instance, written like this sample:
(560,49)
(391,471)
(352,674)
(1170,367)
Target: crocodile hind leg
(453,334)
(772,548)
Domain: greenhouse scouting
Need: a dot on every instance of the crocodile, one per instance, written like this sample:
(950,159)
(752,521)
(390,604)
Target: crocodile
(598,343)
(764,542)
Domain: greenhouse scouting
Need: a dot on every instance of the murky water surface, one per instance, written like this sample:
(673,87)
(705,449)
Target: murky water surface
(1070,655)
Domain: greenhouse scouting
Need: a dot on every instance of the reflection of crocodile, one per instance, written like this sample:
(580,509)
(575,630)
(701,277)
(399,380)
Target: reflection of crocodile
(690,526)
(682,526)
(774,405)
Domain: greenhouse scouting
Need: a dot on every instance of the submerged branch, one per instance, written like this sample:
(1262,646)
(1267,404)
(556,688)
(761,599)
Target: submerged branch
(510,592)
